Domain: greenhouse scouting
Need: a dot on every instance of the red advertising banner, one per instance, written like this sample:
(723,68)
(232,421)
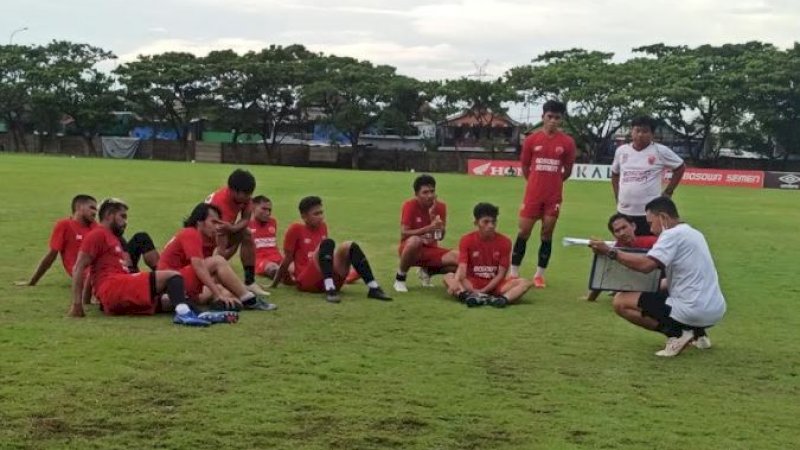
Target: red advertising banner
(720,177)
(494,168)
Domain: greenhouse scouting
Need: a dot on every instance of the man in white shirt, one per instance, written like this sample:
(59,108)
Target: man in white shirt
(693,300)
(638,169)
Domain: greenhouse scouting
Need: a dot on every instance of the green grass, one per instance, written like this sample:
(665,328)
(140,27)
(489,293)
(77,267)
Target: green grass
(422,372)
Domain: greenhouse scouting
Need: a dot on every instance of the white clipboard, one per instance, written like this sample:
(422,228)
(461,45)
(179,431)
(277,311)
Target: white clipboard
(609,275)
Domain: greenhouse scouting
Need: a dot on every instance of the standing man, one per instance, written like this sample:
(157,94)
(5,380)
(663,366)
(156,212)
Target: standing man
(638,169)
(236,207)
(66,238)
(547,158)
(422,226)
(693,300)
(264,229)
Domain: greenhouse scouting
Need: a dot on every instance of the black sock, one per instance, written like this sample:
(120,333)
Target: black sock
(139,244)
(360,263)
(326,248)
(399,277)
(176,291)
(519,251)
(249,274)
(544,253)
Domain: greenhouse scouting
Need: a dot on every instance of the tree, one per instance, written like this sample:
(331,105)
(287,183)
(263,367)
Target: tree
(598,93)
(18,65)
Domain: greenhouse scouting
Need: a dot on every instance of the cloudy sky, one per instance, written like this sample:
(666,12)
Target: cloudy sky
(421,38)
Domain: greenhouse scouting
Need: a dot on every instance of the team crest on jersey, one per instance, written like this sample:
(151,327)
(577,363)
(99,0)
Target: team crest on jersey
(476,254)
(419,219)
(538,148)
(651,160)
(306,241)
(559,150)
(496,254)
(271,229)
(118,249)
(624,158)
(78,237)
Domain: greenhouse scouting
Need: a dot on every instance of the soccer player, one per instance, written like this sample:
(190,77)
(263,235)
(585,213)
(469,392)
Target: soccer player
(693,300)
(264,229)
(236,207)
(547,158)
(624,230)
(206,276)
(121,292)
(66,237)
(319,266)
(638,169)
(483,258)
(422,225)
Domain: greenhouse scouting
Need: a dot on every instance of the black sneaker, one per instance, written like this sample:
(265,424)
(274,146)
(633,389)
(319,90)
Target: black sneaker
(332,296)
(378,294)
(473,300)
(498,302)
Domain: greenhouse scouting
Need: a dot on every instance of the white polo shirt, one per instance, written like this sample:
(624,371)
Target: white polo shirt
(640,174)
(694,293)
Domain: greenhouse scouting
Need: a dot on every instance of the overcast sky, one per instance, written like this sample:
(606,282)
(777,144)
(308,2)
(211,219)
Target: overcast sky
(425,39)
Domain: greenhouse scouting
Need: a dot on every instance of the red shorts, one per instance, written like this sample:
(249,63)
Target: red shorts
(428,256)
(126,294)
(480,283)
(310,280)
(538,207)
(263,261)
(191,282)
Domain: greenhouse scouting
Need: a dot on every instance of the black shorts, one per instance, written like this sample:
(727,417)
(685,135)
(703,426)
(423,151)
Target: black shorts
(654,305)
(642,227)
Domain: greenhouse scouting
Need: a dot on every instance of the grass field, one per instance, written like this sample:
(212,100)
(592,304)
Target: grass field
(422,372)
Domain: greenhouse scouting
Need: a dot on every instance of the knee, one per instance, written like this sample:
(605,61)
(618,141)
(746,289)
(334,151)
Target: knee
(619,304)
(347,245)
(216,261)
(413,243)
(327,245)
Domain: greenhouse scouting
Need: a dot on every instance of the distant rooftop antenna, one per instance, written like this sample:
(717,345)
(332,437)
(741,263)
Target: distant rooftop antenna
(480,70)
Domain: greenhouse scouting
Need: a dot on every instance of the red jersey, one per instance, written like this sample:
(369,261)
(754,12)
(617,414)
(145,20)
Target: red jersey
(484,258)
(187,243)
(301,241)
(414,216)
(66,239)
(646,242)
(265,237)
(108,256)
(223,199)
(547,158)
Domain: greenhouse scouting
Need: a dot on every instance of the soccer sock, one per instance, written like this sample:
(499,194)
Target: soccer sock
(326,248)
(544,253)
(518,253)
(373,284)
(249,274)
(400,276)
(176,291)
(360,263)
(140,244)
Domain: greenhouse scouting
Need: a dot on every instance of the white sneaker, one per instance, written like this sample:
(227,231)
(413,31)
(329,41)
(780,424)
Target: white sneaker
(702,343)
(256,289)
(675,345)
(400,286)
(424,277)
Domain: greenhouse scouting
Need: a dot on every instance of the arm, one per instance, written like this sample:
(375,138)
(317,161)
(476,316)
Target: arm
(634,261)
(223,249)
(461,272)
(44,266)
(677,176)
(525,160)
(501,274)
(87,292)
(283,269)
(405,231)
(76,309)
(615,185)
(244,220)
(569,161)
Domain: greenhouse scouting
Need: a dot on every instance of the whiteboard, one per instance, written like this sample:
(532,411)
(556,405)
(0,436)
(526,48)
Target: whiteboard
(609,275)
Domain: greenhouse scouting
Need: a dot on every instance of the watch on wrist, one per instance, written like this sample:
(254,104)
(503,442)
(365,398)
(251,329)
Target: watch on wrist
(612,254)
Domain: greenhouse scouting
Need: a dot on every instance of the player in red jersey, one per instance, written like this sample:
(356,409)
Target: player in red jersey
(236,207)
(121,292)
(207,277)
(264,229)
(422,225)
(483,258)
(319,266)
(547,159)
(66,237)
(624,229)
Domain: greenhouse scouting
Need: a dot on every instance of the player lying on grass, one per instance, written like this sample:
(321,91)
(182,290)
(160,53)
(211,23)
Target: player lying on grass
(208,278)
(422,225)
(119,291)
(624,230)
(319,266)
(236,208)
(483,259)
(66,238)
(693,300)
(264,229)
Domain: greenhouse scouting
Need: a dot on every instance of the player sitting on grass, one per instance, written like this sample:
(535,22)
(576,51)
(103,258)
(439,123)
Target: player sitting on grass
(624,230)
(693,300)
(207,278)
(264,229)
(422,225)
(236,208)
(66,238)
(483,260)
(319,266)
(119,291)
